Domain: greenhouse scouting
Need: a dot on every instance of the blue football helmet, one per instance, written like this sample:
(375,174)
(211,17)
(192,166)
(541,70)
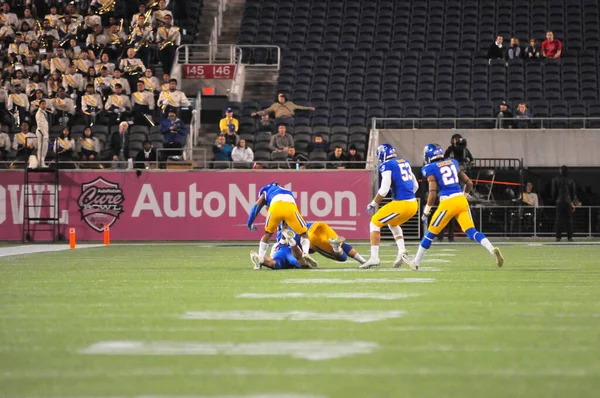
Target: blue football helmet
(266,188)
(432,152)
(385,152)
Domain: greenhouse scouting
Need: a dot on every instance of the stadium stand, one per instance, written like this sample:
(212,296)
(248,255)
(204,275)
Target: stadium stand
(93,28)
(353,60)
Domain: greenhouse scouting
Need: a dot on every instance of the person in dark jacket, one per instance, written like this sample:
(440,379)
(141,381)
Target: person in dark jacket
(119,145)
(563,194)
(174,131)
(497,49)
(353,158)
(458,150)
(146,157)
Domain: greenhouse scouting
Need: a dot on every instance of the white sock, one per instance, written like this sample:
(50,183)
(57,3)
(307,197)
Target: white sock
(305,243)
(359,258)
(262,248)
(374,251)
(400,244)
(420,255)
(291,242)
(488,245)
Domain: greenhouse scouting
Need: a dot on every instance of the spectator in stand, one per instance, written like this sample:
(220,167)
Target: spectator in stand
(174,131)
(224,124)
(242,153)
(146,158)
(265,124)
(563,195)
(296,160)
(4,147)
(354,158)
(497,49)
(281,141)
(529,197)
(532,53)
(222,150)
(119,145)
(551,47)
(338,157)
(25,144)
(284,108)
(231,137)
(504,113)
(514,50)
(89,146)
(318,145)
(523,114)
(64,147)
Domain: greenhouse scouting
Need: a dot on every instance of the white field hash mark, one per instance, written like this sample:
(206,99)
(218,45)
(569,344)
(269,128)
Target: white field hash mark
(374,296)
(356,317)
(352,281)
(310,350)
(421,269)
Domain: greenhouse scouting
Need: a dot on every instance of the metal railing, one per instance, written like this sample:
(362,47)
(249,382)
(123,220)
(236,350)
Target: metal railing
(221,8)
(240,56)
(530,221)
(284,165)
(205,54)
(495,123)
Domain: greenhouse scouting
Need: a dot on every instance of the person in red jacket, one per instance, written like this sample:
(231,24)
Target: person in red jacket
(551,47)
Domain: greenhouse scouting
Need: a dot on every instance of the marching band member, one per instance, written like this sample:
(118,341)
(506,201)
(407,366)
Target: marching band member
(151,82)
(73,81)
(172,99)
(143,105)
(42,133)
(117,105)
(63,107)
(60,62)
(91,105)
(132,67)
(168,39)
(117,79)
(18,104)
(25,143)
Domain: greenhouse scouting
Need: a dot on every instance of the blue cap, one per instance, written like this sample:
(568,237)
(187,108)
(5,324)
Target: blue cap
(228,110)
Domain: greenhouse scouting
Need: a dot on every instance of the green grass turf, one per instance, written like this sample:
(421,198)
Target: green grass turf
(530,329)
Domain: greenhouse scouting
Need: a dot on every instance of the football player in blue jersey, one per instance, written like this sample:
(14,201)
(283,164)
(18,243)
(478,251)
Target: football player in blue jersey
(397,176)
(282,207)
(286,254)
(444,174)
(323,240)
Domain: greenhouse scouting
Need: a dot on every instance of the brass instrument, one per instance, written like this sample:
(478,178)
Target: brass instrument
(148,13)
(165,44)
(109,6)
(149,119)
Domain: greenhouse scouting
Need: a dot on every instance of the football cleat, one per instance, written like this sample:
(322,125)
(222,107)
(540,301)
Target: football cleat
(337,241)
(404,258)
(371,262)
(499,258)
(290,236)
(311,262)
(255,258)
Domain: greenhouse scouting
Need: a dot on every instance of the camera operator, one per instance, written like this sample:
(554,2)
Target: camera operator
(174,131)
(458,150)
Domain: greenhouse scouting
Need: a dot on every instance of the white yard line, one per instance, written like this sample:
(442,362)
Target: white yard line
(333,281)
(310,350)
(421,269)
(394,372)
(374,296)
(355,316)
(33,249)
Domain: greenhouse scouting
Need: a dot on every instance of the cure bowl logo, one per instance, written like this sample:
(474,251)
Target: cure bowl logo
(100,203)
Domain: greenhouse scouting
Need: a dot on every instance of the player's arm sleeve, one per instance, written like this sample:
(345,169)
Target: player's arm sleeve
(255,210)
(415,183)
(386,183)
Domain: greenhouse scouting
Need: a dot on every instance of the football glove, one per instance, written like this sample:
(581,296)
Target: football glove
(371,208)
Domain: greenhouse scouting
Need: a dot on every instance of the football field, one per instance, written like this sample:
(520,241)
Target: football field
(194,320)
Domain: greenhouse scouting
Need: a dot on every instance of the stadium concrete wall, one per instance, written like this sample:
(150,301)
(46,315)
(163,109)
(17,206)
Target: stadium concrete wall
(537,147)
(183,206)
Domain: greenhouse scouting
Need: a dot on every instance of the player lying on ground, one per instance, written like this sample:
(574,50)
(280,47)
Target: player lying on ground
(323,240)
(286,256)
(282,207)
(396,175)
(443,173)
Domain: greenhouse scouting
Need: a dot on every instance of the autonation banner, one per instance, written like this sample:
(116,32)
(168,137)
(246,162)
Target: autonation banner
(182,205)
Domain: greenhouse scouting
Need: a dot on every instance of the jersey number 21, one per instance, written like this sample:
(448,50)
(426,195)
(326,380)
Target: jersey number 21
(449,175)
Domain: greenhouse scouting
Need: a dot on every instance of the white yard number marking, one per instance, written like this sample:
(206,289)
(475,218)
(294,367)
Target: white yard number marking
(449,175)
(222,70)
(405,171)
